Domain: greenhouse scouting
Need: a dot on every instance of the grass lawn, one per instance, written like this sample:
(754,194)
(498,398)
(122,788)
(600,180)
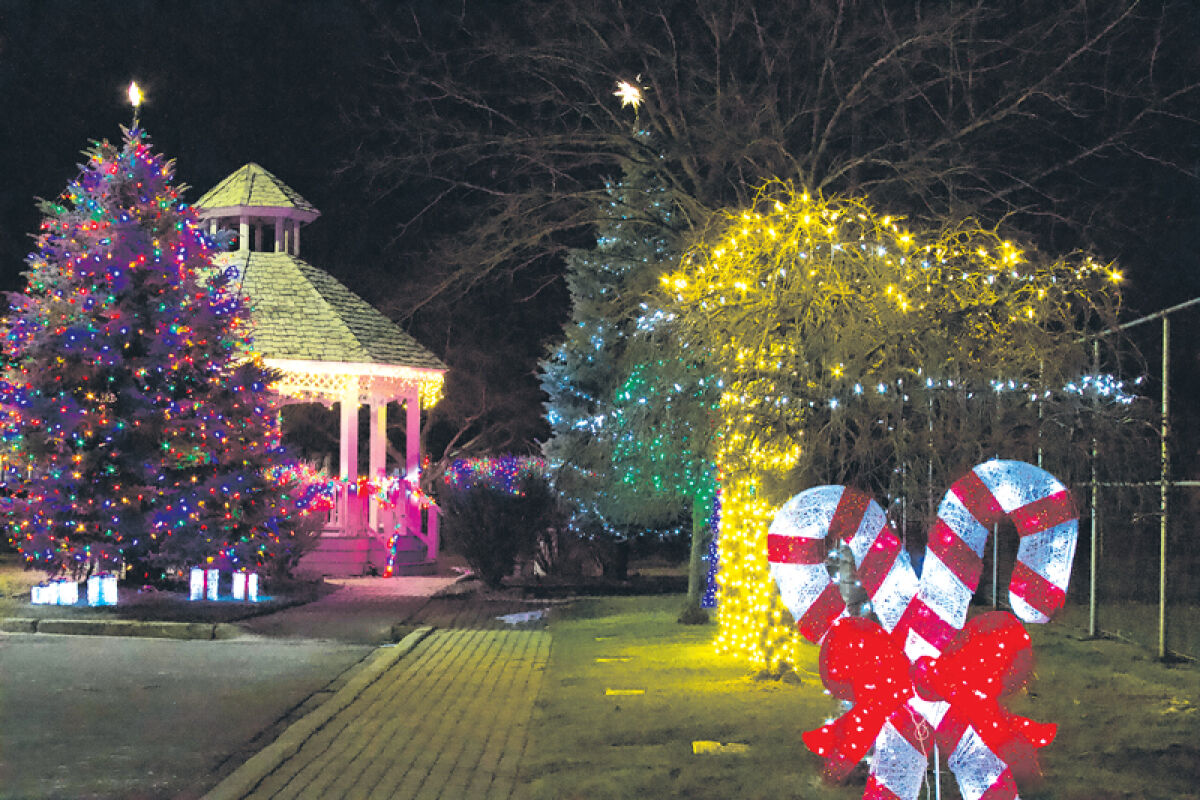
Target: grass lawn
(1138,622)
(1129,727)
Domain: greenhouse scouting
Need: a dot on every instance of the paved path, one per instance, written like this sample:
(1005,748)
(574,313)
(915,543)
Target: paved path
(128,717)
(360,610)
(443,715)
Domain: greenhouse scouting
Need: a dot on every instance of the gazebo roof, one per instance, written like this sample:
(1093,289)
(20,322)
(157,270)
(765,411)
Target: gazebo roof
(253,187)
(302,313)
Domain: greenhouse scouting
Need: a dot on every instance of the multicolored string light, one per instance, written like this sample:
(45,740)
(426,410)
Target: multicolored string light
(505,473)
(136,407)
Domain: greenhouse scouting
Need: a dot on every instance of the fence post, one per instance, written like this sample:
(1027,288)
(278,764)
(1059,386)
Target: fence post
(1163,488)
(1095,508)
(1095,551)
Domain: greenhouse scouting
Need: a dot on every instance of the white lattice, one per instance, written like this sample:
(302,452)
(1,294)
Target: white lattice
(334,382)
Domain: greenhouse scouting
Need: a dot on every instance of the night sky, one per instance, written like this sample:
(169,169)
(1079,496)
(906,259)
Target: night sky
(226,82)
(276,82)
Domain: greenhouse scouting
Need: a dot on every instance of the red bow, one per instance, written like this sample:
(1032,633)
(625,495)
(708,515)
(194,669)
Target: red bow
(989,658)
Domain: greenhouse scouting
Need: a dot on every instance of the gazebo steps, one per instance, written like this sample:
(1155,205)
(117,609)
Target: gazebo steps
(411,558)
(363,555)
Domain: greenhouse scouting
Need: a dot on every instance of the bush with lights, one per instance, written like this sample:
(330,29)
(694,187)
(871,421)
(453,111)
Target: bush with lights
(853,351)
(136,408)
(495,510)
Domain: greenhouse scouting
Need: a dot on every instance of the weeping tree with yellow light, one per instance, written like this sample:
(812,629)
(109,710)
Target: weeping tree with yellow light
(854,351)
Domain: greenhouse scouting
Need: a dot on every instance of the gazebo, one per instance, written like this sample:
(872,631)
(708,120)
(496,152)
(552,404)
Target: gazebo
(332,347)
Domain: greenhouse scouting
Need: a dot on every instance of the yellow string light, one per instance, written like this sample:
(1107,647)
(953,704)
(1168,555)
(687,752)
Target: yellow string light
(767,294)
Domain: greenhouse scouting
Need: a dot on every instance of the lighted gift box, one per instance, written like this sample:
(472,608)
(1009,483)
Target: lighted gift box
(102,590)
(67,591)
(58,592)
(245,586)
(203,583)
(196,584)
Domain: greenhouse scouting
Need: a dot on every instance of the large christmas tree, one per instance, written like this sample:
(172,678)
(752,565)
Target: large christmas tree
(140,412)
(622,405)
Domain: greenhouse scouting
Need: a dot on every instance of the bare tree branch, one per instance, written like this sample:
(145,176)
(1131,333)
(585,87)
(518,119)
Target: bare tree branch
(491,132)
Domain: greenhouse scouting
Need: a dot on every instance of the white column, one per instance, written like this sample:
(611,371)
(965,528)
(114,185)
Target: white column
(244,233)
(296,239)
(412,434)
(348,463)
(378,452)
(412,450)
(279,234)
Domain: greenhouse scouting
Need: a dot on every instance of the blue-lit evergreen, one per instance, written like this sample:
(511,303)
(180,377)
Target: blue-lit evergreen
(628,408)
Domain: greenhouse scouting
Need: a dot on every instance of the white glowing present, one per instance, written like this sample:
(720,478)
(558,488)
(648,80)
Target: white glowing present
(245,586)
(102,590)
(203,583)
(67,590)
(196,584)
(59,592)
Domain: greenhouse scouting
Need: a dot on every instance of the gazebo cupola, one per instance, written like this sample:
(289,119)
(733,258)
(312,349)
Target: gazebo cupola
(264,211)
(330,346)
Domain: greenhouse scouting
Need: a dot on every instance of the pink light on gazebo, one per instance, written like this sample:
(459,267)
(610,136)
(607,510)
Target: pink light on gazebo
(331,347)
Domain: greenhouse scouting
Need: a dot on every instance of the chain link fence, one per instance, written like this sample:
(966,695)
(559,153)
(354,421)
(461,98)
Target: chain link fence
(1145,587)
(1137,566)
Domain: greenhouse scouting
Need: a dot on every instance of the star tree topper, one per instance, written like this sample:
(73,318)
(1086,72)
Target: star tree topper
(630,94)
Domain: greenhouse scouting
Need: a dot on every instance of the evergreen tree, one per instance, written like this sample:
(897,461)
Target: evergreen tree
(622,408)
(137,405)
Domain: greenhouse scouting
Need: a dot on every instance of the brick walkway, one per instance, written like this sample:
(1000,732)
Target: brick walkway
(448,720)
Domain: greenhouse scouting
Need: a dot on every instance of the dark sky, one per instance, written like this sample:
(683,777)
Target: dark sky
(231,81)
(226,81)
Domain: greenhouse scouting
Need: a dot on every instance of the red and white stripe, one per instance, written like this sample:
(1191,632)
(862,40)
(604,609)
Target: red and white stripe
(808,529)
(928,613)
(1044,516)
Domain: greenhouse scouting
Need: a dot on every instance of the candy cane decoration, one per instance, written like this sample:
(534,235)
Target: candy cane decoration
(925,616)
(798,547)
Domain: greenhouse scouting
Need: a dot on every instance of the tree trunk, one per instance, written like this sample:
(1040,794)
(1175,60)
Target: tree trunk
(692,613)
(615,559)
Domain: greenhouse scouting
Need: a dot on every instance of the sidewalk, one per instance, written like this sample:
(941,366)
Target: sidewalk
(442,714)
(361,610)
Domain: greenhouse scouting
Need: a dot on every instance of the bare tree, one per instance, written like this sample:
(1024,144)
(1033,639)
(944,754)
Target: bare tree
(494,121)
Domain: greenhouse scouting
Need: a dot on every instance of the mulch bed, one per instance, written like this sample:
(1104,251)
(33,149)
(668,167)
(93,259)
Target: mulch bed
(169,606)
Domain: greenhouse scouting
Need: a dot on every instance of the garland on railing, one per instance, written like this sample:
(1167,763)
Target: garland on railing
(389,490)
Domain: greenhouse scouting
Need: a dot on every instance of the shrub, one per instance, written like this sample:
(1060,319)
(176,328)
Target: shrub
(491,526)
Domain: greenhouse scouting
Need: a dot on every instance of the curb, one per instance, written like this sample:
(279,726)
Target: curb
(242,781)
(121,627)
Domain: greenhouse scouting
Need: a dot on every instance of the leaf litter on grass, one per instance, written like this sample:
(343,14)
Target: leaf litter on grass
(588,744)
(1128,727)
